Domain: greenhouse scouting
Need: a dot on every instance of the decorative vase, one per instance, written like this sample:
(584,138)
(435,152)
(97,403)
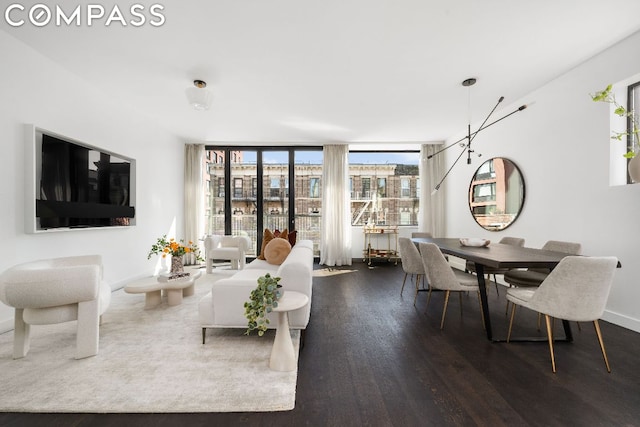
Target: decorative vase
(176,265)
(634,168)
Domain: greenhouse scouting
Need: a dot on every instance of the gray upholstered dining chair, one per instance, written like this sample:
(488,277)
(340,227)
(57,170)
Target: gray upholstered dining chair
(440,275)
(576,290)
(535,276)
(411,264)
(490,271)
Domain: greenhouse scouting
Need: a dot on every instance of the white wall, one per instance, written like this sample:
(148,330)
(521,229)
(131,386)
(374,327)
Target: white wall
(37,91)
(561,144)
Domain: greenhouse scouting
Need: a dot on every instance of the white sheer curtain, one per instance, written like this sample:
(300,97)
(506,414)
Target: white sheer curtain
(193,196)
(335,244)
(431,216)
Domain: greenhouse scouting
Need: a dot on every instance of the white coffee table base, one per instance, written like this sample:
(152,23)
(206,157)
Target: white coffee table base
(153,289)
(283,357)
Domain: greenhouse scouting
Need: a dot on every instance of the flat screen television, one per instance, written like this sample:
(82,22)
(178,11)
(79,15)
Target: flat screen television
(80,186)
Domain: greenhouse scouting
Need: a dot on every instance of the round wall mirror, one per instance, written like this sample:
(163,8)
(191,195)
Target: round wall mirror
(496,194)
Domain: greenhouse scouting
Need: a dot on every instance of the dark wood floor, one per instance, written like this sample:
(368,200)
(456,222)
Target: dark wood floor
(372,358)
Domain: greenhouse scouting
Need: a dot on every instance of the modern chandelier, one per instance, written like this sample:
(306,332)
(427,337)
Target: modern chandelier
(465,142)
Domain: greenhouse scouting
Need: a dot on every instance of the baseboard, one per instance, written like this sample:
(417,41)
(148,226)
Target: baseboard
(622,320)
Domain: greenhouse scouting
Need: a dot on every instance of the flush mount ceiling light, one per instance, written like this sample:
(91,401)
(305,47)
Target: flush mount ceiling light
(199,96)
(466,145)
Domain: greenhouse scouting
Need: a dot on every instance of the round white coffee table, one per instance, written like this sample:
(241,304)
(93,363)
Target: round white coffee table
(283,357)
(152,288)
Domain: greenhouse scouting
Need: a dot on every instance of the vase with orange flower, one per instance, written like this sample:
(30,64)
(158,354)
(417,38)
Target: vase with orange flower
(176,249)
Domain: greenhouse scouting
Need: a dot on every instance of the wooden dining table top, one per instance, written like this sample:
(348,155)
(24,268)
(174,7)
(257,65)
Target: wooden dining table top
(497,255)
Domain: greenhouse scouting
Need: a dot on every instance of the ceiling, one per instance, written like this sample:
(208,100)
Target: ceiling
(313,71)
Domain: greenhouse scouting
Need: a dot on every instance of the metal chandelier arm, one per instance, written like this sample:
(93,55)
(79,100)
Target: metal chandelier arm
(464,148)
(470,136)
(473,134)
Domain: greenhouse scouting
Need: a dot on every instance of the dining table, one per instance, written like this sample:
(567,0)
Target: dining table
(499,255)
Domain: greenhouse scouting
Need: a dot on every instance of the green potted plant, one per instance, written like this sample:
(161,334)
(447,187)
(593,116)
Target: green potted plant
(262,300)
(632,134)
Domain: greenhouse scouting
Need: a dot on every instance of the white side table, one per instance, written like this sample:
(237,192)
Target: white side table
(283,357)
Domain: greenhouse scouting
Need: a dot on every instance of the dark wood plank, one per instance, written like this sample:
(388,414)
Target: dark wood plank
(372,358)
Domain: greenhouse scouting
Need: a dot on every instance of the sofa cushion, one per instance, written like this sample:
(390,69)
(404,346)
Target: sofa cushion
(277,250)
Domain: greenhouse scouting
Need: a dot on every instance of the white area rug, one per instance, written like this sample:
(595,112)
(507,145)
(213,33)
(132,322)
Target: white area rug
(149,361)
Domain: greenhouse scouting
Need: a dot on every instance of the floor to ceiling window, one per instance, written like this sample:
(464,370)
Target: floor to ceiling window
(281,188)
(260,188)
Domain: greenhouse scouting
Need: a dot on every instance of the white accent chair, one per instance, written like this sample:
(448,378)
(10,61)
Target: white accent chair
(576,290)
(232,248)
(55,291)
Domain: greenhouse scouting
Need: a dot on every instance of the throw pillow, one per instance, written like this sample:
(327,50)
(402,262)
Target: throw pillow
(277,250)
(292,237)
(266,238)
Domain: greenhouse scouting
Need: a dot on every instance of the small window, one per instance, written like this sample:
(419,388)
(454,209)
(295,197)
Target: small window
(405,187)
(237,188)
(220,187)
(314,187)
(382,187)
(366,188)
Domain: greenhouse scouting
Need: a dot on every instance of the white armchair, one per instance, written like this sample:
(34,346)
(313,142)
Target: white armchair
(232,248)
(55,291)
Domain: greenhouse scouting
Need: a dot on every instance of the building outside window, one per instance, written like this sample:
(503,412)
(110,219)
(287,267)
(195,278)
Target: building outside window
(220,187)
(405,187)
(382,187)
(254,187)
(314,187)
(237,188)
(366,188)
(274,188)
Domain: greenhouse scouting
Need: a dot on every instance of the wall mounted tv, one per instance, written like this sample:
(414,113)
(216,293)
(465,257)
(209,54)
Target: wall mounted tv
(78,186)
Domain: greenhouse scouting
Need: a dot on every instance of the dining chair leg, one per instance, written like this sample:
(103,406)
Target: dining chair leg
(539,320)
(484,326)
(604,353)
(444,310)
(415,297)
(513,315)
(460,299)
(428,298)
(495,281)
(547,319)
(404,280)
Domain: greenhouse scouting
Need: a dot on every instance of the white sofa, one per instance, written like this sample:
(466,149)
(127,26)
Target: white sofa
(223,307)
